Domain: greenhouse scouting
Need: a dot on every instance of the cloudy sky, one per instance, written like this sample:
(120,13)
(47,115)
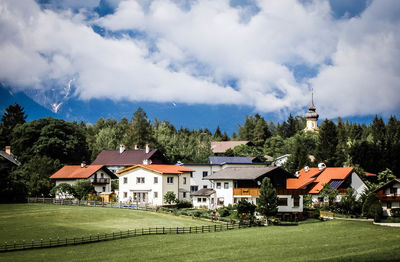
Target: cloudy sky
(263,55)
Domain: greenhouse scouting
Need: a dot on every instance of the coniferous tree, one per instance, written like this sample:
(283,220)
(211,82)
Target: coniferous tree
(268,200)
(298,158)
(217,134)
(328,141)
(13,116)
(140,131)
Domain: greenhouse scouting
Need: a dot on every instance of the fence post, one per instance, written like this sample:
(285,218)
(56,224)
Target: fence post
(202,229)
(58,240)
(23,244)
(50,241)
(128,232)
(113,235)
(120,234)
(135,232)
(90,237)
(163,230)
(215,228)
(190,230)
(5,245)
(98,236)
(74,241)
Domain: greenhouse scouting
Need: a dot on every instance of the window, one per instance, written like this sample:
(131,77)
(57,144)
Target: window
(170,180)
(184,180)
(125,180)
(204,199)
(140,180)
(226,185)
(199,199)
(212,200)
(102,175)
(104,189)
(184,194)
(393,190)
(388,205)
(218,185)
(205,173)
(204,186)
(155,180)
(191,174)
(296,201)
(221,201)
(194,188)
(282,201)
(155,194)
(125,194)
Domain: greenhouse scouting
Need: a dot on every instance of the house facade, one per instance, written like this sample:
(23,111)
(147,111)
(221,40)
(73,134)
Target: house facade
(216,163)
(234,184)
(204,198)
(389,195)
(98,175)
(340,178)
(148,184)
(116,160)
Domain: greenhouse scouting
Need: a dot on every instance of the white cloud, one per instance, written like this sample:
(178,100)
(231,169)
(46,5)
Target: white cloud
(198,49)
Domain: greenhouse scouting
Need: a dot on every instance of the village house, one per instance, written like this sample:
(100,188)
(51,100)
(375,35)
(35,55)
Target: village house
(204,198)
(389,195)
(220,147)
(116,160)
(235,183)
(313,180)
(148,184)
(9,158)
(216,163)
(99,175)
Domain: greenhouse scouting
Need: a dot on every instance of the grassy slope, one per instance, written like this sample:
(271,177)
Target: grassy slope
(35,221)
(328,241)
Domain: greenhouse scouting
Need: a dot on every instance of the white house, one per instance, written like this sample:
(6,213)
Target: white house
(216,163)
(147,184)
(233,184)
(99,175)
(204,198)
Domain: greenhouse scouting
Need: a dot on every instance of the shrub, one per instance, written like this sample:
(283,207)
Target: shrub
(372,207)
(395,212)
(224,212)
(184,204)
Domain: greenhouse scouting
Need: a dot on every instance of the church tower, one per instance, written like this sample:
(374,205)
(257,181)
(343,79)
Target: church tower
(312,117)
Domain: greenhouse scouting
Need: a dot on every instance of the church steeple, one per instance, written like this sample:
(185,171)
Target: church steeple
(312,116)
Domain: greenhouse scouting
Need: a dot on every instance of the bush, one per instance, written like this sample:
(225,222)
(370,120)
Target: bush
(184,204)
(224,212)
(395,212)
(372,207)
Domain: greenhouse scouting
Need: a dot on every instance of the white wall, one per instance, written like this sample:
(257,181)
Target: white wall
(207,203)
(226,194)
(290,207)
(357,184)
(148,187)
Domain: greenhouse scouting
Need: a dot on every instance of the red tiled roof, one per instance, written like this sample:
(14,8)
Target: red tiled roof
(328,174)
(164,169)
(126,158)
(74,172)
(221,147)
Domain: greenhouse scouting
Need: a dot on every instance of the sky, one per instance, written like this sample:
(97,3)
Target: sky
(201,63)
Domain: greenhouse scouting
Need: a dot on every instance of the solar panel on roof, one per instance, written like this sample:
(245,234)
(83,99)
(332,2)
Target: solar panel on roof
(335,184)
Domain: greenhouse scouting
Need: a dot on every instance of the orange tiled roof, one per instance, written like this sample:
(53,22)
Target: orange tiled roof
(74,172)
(304,178)
(369,174)
(164,169)
(328,174)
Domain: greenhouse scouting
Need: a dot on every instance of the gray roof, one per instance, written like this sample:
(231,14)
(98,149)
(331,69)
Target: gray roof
(10,158)
(219,160)
(241,173)
(204,192)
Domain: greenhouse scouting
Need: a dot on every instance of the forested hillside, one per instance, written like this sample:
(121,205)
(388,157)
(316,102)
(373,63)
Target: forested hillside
(44,145)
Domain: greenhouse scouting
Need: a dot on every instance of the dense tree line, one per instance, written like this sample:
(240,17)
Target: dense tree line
(44,145)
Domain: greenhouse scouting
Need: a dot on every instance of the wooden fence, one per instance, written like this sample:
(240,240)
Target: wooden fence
(75,202)
(48,243)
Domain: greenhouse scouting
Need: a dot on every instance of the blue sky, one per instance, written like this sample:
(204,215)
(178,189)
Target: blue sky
(200,64)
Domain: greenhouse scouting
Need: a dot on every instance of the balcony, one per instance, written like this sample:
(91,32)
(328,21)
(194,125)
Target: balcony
(100,180)
(246,192)
(388,197)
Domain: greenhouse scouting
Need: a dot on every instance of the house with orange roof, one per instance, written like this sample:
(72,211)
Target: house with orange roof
(148,184)
(99,175)
(314,179)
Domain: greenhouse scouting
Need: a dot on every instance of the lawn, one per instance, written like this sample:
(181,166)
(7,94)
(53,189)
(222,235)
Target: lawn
(35,221)
(326,241)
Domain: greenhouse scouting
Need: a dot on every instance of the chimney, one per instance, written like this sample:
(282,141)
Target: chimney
(121,148)
(321,166)
(83,164)
(8,150)
(145,162)
(147,148)
(136,148)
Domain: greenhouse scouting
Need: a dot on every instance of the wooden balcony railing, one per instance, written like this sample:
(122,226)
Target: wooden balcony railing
(246,192)
(100,180)
(385,197)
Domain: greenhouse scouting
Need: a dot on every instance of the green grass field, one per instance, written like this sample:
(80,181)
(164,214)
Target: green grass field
(35,221)
(326,241)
